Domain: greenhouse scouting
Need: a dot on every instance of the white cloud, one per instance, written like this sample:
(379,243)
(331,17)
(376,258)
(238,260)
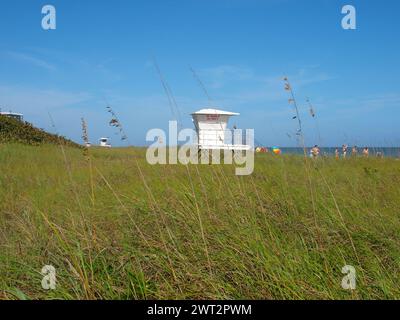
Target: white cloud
(244,85)
(27,58)
(34,101)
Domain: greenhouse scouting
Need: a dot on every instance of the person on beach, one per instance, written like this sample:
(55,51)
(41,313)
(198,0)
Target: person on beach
(344,150)
(315,151)
(337,154)
(366,152)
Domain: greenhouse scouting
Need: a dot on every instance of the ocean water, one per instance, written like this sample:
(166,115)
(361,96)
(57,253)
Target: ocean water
(393,152)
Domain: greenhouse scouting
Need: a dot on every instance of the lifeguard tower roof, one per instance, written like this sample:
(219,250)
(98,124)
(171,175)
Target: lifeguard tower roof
(216,111)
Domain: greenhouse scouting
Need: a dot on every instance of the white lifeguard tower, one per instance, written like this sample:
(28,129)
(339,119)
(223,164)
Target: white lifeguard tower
(104,143)
(211,128)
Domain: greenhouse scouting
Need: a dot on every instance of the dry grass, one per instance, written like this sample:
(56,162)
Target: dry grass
(176,232)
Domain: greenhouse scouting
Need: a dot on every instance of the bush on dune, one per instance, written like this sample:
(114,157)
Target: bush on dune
(12,130)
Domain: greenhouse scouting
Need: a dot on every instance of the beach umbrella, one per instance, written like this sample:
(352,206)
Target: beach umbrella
(276,150)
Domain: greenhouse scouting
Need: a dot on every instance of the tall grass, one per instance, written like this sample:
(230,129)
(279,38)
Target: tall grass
(215,235)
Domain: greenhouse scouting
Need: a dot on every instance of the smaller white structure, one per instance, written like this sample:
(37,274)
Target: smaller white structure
(211,127)
(104,143)
(17,116)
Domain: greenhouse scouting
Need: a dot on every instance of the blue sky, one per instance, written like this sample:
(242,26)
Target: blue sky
(240,49)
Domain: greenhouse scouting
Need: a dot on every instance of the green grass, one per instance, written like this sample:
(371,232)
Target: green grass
(176,232)
(24,132)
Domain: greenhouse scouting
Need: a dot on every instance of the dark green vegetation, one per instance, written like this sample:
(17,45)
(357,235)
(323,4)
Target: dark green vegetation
(23,132)
(120,229)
